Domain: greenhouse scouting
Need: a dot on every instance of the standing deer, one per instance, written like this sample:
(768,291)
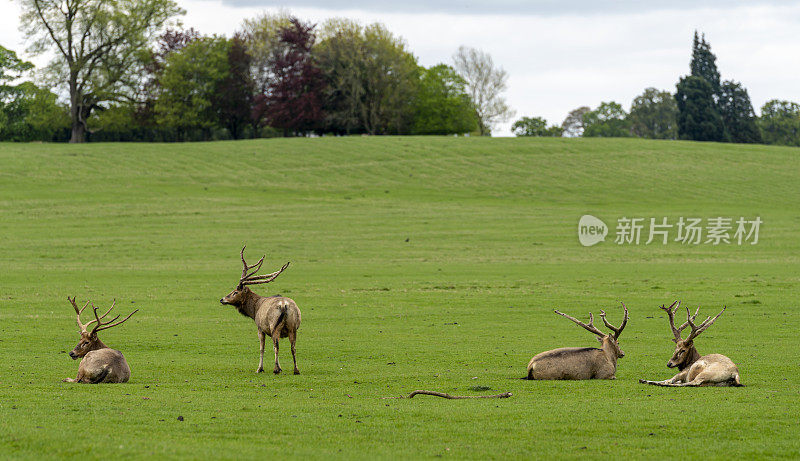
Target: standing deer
(99,364)
(696,370)
(582,362)
(275,316)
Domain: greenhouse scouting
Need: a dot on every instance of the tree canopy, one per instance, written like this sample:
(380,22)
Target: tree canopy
(97,45)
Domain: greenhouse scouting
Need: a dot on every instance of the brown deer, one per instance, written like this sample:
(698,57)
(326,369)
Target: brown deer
(582,362)
(99,364)
(275,316)
(696,370)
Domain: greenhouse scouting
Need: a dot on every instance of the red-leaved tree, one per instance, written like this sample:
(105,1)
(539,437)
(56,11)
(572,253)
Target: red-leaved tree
(293,101)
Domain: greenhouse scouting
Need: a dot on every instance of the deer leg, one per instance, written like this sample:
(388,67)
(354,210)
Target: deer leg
(275,337)
(261,339)
(292,339)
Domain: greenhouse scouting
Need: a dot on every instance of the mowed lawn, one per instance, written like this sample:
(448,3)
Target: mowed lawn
(418,263)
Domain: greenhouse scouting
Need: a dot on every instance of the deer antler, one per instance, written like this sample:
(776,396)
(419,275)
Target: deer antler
(78,311)
(105,326)
(671,314)
(252,279)
(696,330)
(590,327)
(246,268)
(617,331)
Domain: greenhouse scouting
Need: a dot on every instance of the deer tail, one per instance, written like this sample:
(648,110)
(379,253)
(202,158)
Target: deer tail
(283,306)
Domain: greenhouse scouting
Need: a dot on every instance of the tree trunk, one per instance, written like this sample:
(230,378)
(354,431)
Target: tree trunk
(78,130)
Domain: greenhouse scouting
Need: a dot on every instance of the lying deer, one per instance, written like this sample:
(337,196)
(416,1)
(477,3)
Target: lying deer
(275,316)
(99,364)
(696,370)
(582,362)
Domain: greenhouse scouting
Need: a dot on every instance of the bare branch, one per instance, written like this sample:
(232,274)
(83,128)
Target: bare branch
(504,395)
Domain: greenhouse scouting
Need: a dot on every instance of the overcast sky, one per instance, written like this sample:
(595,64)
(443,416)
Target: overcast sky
(559,55)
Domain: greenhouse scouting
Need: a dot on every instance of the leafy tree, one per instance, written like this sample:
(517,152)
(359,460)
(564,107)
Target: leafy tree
(698,118)
(442,105)
(654,115)
(535,126)
(189,83)
(294,97)
(704,63)
(737,113)
(372,78)
(609,120)
(573,125)
(27,112)
(97,44)
(33,114)
(11,67)
(264,45)
(341,57)
(234,95)
(485,83)
(780,122)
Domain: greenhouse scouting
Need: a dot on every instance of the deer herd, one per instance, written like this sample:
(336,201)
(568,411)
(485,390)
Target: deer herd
(279,317)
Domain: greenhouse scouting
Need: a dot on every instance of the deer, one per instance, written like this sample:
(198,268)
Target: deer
(99,363)
(275,316)
(582,362)
(694,369)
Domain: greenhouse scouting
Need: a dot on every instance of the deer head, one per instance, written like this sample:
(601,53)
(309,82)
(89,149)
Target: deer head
(249,277)
(609,341)
(685,352)
(89,340)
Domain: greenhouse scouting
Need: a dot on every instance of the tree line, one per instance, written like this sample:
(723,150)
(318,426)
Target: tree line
(702,109)
(127,74)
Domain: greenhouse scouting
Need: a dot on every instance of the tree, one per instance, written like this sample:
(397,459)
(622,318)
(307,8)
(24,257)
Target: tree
(535,126)
(155,61)
(294,96)
(189,82)
(573,125)
(698,118)
(371,77)
(704,63)
(27,112)
(609,120)
(485,83)
(654,115)
(233,97)
(32,114)
(11,67)
(738,114)
(97,45)
(780,122)
(442,105)
(263,41)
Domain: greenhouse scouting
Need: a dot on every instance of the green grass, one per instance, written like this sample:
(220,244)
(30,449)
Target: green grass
(418,263)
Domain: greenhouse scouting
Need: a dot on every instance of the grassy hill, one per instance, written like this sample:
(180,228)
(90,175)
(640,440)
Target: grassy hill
(418,263)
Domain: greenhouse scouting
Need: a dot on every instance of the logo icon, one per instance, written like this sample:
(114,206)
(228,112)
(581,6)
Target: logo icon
(591,230)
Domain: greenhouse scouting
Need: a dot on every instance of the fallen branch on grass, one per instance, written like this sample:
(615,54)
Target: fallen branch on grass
(443,395)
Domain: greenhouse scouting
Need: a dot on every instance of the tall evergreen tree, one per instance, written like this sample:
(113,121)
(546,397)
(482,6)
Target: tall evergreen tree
(704,63)
(698,118)
(738,114)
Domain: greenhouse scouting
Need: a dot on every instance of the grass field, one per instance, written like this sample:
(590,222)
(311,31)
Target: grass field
(418,263)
